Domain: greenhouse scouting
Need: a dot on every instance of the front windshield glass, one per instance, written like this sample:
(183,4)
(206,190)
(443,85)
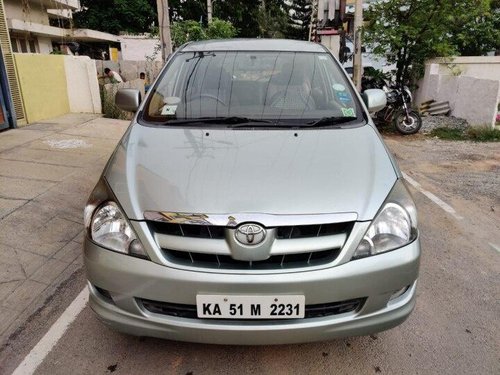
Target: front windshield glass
(276,86)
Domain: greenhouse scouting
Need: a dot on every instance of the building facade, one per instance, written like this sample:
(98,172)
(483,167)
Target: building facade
(40,27)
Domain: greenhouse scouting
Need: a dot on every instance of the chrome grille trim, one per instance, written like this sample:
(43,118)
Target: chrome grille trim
(193,244)
(309,244)
(233,220)
(221,247)
(283,262)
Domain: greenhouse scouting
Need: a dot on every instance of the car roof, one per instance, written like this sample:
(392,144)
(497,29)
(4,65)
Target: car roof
(282,45)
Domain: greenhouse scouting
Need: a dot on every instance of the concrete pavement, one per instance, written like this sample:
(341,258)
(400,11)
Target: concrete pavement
(47,171)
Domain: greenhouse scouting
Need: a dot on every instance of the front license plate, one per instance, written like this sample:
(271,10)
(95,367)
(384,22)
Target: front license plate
(250,307)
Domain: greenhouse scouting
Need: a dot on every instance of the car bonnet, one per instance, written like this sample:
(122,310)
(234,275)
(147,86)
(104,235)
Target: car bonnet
(234,171)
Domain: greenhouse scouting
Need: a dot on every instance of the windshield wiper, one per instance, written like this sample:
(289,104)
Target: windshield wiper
(330,120)
(237,121)
(233,121)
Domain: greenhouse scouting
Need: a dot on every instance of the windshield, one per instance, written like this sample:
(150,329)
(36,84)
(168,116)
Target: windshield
(281,87)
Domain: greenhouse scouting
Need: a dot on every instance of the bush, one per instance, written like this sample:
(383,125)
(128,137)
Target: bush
(483,134)
(449,134)
(187,31)
(109,109)
(218,29)
(476,134)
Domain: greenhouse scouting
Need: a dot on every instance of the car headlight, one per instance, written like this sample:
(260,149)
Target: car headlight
(108,226)
(394,226)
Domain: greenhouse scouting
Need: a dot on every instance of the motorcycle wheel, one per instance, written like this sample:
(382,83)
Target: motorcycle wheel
(410,126)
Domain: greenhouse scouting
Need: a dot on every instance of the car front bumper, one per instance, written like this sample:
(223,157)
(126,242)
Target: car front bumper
(375,278)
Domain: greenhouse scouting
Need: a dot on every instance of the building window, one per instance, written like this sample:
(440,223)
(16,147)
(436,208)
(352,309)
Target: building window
(24,45)
(13,42)
(32,45)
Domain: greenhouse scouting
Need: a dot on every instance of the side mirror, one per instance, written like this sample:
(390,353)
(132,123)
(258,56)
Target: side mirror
(128,99)
(374,99)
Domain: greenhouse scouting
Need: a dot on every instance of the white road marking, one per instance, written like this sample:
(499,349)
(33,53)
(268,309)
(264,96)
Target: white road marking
(445,206)
(45,345)
(415,184)
(497,248)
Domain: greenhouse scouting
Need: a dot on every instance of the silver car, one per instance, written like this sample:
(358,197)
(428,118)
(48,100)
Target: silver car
(251,201)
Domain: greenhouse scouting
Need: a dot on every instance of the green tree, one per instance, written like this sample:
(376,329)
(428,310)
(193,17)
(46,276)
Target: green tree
(300,18)
(186,31)
(409,32)
(273,19)
(182,10)
(241,13)
(219,29)
(257,18)
(114,16)
(477,31)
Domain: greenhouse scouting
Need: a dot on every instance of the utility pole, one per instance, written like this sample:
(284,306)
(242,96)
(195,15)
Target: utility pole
(357,64)
(209,11)
(314,16)
(164,27)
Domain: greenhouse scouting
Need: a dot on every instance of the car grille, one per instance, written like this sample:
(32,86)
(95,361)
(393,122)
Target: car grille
(217,232)
(273,262)
(186,253)
(311,311)
(189,230)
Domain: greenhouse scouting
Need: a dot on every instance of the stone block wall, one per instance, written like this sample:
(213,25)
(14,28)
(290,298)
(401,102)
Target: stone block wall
(470,84)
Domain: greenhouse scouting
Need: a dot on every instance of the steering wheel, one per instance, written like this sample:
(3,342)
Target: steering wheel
(210,96)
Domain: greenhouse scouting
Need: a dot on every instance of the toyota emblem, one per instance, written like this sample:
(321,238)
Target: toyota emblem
(250,234)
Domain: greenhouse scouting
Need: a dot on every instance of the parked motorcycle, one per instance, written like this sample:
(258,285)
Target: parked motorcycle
(398,110)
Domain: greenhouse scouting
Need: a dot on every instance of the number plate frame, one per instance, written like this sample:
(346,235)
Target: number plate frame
(252,306)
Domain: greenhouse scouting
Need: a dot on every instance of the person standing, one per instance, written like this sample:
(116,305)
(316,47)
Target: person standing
(142,76)
(113,76)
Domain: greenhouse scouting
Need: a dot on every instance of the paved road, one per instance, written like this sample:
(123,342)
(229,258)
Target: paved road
(455,328)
